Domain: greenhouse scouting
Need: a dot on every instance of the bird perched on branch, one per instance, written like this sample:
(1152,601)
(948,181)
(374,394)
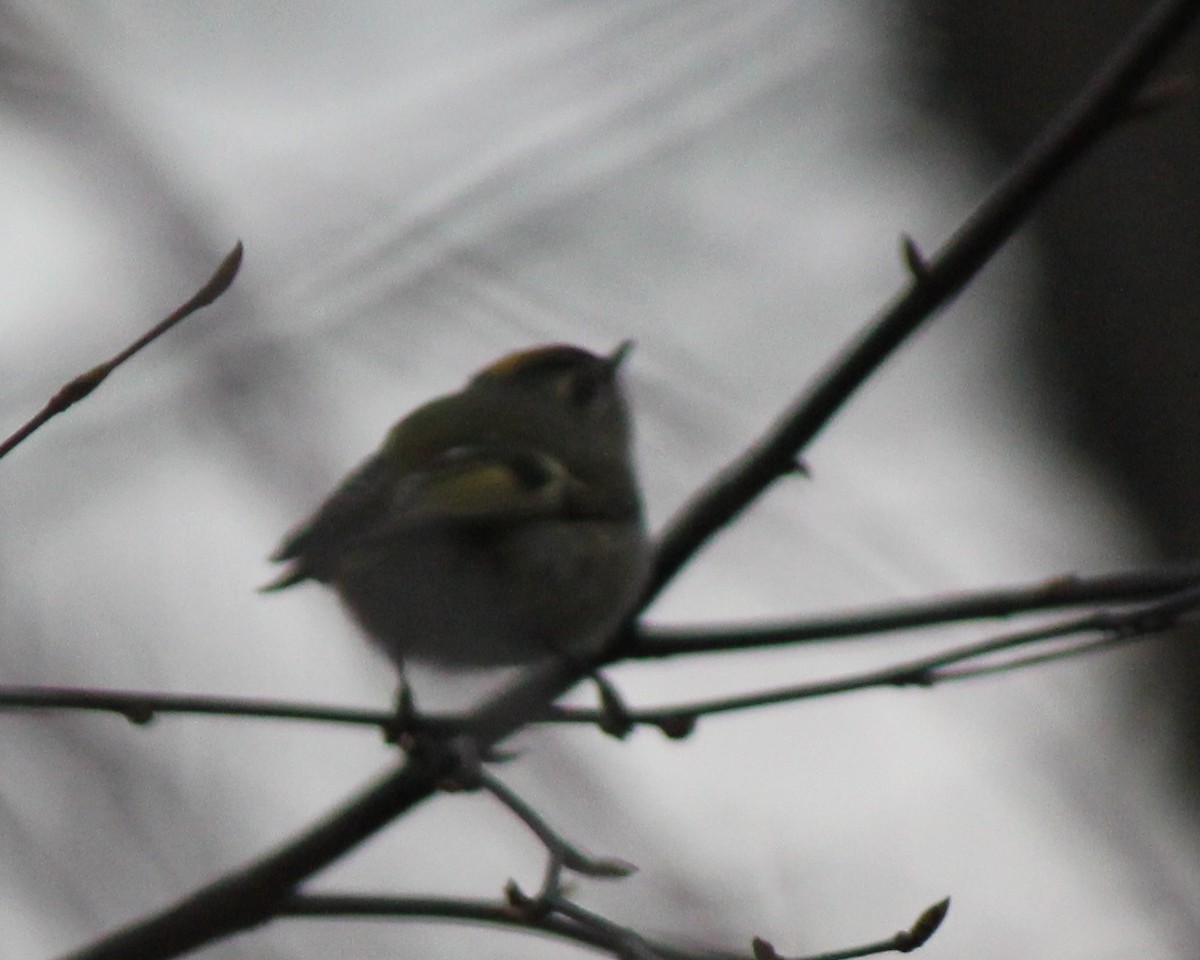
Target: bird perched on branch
(495,526)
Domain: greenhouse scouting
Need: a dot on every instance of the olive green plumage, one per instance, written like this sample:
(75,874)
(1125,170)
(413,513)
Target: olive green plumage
(494,526)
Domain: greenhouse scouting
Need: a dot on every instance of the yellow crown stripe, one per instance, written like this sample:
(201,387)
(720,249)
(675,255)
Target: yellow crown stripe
(514,363)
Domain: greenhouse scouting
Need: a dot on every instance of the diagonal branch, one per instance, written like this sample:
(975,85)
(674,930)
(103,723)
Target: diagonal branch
(1102,104)
(562,852)
(251,895)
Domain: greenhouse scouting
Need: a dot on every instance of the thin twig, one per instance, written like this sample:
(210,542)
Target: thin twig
(905,941)
(141,707)
(496,913)
(944,675)
(80,387)
(1057,593)
(623,942)
(250,896)
(559,848)
(343,906)
(1116,628)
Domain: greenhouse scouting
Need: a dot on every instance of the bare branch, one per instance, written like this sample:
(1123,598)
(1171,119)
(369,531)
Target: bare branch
(79,388)
(565,925)
(143,708)
(1115,628)
(251,895)
(497,913)
(1057,593)
(623,942)
(905,941)
(561,851)
(1102,104)
(914,259)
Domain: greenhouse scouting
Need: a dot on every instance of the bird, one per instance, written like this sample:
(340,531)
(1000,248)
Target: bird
(495,526)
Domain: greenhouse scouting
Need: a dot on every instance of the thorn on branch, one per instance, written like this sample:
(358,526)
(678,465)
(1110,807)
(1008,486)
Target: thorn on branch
(914,259)
(522,904)
(800,468)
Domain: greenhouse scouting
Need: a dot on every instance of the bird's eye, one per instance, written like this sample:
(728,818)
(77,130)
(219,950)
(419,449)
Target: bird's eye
(531,471)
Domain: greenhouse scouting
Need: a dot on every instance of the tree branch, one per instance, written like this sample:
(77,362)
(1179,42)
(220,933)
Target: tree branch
(142,708)
(1057,593)
(251,895)
(904,941)
(1103,103)
(79,388)
(1115,628)
(497,913)
(561,851)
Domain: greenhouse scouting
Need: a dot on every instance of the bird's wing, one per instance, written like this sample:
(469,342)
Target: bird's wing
(350,510)
(481,485)
(468,485)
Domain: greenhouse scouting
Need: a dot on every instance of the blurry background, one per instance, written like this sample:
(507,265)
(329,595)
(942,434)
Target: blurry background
(421,187)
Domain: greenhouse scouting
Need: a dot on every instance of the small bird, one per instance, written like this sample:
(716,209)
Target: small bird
(495,526)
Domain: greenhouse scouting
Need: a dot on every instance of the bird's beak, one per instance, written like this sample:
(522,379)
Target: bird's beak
(614,360)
